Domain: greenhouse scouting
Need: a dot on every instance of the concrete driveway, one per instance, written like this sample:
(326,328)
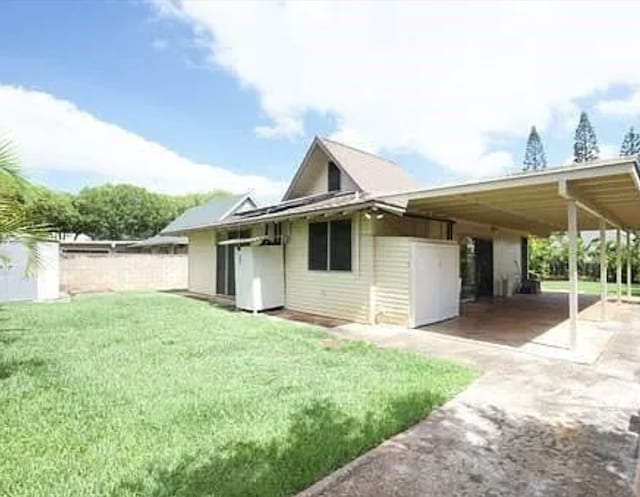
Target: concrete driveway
(529,426)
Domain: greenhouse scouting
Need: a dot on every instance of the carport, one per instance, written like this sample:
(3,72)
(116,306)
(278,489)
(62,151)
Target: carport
(598,195)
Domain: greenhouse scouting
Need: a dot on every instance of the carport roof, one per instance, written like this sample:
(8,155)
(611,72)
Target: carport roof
(536,202)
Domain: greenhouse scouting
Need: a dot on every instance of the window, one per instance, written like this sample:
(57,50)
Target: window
(334,177)
(330,246)
(340,240)
(318,238)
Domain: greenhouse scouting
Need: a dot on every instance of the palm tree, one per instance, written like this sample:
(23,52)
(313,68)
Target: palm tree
(14,222)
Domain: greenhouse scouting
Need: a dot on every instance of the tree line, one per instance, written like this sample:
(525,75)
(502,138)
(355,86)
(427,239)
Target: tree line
(106,212)
(549,258)
(585,145)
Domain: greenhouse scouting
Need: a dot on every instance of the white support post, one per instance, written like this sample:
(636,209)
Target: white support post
(628,265)
(572,224)
(618,265)
(603,270)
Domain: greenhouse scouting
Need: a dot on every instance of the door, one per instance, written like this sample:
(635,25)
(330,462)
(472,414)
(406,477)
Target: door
(434,283)
(524,260)
(231,270)
(484,267)
(221,270)
(226,264)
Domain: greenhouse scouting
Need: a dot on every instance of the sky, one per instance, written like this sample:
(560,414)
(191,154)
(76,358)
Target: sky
(191,96)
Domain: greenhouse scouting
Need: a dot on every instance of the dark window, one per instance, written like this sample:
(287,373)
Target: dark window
(318,239)
(449,231)
(334,178)
(340,239)
(330,246)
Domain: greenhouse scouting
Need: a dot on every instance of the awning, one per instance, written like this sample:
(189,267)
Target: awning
(536,203)
(244,241)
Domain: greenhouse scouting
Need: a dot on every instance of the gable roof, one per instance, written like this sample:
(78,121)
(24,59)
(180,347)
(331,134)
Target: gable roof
(160,240)
(372,173)
(206,215)
(369,172)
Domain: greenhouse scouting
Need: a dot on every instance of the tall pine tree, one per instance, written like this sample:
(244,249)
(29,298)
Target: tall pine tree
(534,157)
(630,144)
(585,147)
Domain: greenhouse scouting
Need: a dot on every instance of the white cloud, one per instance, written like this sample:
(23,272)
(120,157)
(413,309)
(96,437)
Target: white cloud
(160,44)
(54,135)
(623,107)
(285,127)
(439,80)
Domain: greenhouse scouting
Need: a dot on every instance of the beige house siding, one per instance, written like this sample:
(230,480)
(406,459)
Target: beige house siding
(391,288)
(391,225)
(340,294)
(202,262)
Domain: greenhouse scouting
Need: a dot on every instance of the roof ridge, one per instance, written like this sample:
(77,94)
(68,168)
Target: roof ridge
(346,145)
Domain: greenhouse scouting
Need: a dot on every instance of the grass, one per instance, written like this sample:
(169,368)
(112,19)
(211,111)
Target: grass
(588,287)
(154,395)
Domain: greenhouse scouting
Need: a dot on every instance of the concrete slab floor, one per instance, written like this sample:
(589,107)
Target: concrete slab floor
(537,324)
(530,426)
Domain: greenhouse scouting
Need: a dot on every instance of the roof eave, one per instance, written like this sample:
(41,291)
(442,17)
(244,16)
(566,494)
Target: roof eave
(236,205)
(538,177)
(367,204)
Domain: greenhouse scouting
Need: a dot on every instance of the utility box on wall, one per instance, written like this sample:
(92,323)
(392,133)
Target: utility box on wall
(16,285)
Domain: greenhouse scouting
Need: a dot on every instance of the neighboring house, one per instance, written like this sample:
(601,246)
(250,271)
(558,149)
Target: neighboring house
(362,242)
(95,247)
(161,244)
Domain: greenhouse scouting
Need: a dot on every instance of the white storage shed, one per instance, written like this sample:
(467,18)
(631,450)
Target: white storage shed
(16,285)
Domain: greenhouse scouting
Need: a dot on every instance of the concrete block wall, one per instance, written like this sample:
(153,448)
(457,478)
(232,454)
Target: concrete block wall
(99,273)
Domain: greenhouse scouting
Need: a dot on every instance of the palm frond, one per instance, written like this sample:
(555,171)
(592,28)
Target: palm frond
(9,165)
(14,222)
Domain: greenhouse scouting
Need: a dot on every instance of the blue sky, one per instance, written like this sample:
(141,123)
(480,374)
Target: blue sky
(230,95)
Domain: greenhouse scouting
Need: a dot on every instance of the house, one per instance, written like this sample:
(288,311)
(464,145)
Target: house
(208,262)
(86,246)
(362,241)
(160,244)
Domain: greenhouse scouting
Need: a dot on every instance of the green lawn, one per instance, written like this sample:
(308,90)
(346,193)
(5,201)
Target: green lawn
(588,287)
(145,394)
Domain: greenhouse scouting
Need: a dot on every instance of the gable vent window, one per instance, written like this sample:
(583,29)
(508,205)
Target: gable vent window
(334,177)
(330,246)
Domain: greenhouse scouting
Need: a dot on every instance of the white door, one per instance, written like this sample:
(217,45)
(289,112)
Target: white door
(244,278)
(433,282)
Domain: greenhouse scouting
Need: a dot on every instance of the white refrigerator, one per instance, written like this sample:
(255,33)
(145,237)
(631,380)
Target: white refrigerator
(259,277)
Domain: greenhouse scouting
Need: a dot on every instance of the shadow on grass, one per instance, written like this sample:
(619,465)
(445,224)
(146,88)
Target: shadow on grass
(320,439)
(9,368)
(8,334)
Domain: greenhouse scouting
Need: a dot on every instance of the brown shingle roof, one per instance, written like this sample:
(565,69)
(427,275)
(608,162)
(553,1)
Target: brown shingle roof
(373,174)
